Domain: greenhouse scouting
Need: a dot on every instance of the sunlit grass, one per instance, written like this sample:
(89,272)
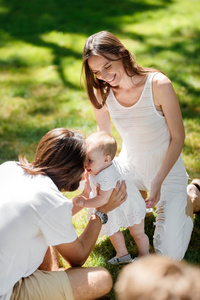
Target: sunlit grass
(40,63)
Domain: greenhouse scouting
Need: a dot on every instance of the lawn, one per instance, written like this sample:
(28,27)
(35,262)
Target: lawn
(40,61)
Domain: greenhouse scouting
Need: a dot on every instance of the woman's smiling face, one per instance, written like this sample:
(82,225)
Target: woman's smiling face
(107,70)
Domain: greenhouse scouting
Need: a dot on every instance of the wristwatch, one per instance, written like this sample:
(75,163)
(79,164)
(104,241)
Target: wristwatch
(103,217)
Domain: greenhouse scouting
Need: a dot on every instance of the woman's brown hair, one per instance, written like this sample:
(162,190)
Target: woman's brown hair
(61,155)
(105,43)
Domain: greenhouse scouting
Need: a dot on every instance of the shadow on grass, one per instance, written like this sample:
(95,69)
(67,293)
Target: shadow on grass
(28,20)
(19,18)
(20,140)
(21,137)
(105,249)
(192,254)
(183,63)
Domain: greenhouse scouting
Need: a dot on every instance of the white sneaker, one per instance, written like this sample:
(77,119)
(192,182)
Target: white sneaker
(120,260)
(135,259)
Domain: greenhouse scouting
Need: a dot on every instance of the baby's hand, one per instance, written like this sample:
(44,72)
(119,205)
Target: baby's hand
(87,188)
(79,201)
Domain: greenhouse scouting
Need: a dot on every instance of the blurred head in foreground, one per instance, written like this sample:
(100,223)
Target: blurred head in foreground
(158,278)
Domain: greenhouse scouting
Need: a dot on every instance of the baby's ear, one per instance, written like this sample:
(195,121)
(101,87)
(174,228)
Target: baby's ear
(108,158)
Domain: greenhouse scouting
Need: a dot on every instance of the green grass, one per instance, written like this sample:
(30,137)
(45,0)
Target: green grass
(40,61)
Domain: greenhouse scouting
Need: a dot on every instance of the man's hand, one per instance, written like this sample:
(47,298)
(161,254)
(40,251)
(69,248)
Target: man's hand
(118,196)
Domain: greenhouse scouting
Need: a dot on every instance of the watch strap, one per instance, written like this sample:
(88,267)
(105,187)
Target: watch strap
(103,217)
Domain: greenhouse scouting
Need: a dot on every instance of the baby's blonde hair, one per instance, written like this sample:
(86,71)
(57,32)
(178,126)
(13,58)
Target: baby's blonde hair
(103,141)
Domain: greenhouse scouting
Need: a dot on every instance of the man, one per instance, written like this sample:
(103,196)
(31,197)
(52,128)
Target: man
(34,215)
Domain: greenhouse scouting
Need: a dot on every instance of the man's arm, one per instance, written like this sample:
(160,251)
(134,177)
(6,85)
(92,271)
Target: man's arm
(77,252)
(50,261)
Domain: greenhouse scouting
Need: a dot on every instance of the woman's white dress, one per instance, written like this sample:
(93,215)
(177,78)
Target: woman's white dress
(146,139)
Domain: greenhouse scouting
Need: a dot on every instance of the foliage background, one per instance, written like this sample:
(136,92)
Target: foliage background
(40,64)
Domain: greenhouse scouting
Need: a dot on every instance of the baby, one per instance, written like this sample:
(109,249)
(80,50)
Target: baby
(104,172)
(158,277)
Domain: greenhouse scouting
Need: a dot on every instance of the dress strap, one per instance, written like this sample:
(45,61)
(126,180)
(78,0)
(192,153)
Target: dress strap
(152,76)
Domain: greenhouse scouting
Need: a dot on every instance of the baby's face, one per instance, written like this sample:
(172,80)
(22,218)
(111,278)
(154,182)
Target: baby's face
(95,161)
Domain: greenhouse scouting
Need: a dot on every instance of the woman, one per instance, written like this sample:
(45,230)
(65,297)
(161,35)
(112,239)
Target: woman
(145,110)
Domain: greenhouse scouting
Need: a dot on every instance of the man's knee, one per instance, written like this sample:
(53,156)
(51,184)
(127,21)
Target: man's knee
(89,283)
(105,280)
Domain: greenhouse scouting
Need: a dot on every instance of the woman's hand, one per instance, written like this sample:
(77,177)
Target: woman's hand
(154,195)
(118,196)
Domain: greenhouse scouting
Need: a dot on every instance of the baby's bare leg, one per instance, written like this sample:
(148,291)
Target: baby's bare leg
(140,238)
(118,241)
(143,194)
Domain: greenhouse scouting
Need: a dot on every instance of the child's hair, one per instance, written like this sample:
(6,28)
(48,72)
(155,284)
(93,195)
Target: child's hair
(60,155)
(102,141)
(157,277)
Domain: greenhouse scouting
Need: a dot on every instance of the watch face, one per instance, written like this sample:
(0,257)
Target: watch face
(104,218)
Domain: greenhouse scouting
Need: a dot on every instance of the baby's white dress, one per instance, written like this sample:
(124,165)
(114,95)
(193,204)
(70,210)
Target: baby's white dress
(131,212)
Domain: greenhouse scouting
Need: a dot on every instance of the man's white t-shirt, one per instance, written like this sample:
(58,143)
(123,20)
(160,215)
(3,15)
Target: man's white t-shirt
(34,214)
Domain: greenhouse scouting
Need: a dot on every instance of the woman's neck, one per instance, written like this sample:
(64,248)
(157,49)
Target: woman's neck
(130,83)
(129,93)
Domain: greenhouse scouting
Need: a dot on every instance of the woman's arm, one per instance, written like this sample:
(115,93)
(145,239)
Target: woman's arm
(165,97)
(102,116)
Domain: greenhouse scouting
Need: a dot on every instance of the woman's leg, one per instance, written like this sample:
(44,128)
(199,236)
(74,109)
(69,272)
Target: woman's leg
(140,238)
(173,224)
(193,196)
(118,241)
(89,283)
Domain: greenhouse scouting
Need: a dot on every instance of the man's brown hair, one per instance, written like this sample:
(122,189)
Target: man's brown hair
(60,155)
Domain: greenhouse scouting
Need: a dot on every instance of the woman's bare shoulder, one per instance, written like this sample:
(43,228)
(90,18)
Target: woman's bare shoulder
(163,91)
(160,80)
